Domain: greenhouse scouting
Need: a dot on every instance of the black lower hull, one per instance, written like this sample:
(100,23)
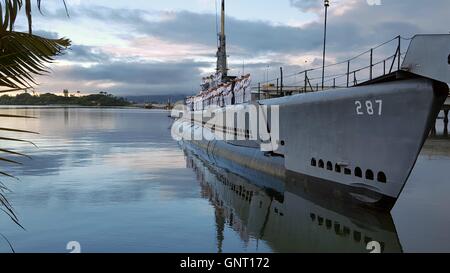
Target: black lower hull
(330,194)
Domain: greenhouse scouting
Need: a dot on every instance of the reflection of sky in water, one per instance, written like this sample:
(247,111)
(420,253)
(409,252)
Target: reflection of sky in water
(112,179)
(115,181)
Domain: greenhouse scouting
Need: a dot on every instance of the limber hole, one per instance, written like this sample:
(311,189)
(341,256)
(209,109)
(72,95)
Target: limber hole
(347,171)
(337,168)
(321,164)
(369,175)
(382,177)
(329,166)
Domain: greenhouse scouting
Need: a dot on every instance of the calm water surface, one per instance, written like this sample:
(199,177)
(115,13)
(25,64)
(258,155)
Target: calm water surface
(115,181)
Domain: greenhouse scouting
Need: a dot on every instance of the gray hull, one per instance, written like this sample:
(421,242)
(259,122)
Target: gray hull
(362,140)
(288,218)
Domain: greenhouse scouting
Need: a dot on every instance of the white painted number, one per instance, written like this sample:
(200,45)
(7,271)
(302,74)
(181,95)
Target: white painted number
(358,108)
(371,108)
(380,107)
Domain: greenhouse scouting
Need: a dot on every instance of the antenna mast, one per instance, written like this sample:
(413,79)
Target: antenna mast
(222,66)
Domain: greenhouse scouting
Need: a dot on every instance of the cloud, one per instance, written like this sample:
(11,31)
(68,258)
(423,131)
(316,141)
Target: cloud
(167,51)
(82,53)
(306,5)
(46,34)
(128,78)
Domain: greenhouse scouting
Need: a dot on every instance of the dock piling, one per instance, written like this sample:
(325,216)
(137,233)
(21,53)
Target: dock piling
(446,122)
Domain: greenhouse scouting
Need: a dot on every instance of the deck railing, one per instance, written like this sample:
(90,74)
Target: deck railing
(362,68)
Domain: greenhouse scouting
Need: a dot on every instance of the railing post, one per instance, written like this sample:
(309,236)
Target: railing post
(317,87)
(371,63)
(384,67)
(355,82)
(281,83)
(334,83)
(259,91)
(306,79)
(399,51)
(278,80)
(348,73)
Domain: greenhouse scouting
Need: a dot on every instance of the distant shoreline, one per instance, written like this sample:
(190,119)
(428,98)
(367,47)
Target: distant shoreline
(71,107)
(52,100)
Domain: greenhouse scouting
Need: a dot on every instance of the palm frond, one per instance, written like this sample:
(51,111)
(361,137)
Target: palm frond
(15,116)
(24,55)
(11,9)
(14,153)
(10,161)
(8,175)
(9,243)
(17,140)
(5,205)
(17,131)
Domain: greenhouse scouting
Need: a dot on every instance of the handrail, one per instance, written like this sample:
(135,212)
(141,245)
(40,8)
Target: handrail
(389,64)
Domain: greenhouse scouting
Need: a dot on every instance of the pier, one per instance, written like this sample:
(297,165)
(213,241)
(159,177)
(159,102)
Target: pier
(445,109)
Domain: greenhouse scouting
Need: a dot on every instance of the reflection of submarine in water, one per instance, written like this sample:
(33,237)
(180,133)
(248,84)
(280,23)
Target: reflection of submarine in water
(289,216)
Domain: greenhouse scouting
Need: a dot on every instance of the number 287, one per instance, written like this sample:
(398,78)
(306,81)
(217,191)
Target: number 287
(369,107)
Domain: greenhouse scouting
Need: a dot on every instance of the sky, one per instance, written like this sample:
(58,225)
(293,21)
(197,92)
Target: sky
(155,47)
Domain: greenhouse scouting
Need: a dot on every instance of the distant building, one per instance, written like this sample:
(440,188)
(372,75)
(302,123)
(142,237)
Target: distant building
(66,93)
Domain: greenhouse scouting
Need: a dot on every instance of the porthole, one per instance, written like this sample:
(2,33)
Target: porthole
(337,228)
(347,171)
(358,172)
(313,162)
(321,164)
(346,230)
(369,175)
(329,166)
(320,220)
(382,177)
(337,168)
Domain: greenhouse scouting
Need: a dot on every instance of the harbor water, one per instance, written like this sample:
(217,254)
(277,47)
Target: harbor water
(114,180)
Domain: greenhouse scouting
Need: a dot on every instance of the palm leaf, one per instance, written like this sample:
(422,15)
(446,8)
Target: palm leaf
(9,243)
(14,116)
(17,140)
(17,131)
(24,55)
(14,153)
(8,175)
(11,9)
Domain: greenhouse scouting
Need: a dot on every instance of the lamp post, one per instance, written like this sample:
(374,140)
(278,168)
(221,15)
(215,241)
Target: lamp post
(326,4)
